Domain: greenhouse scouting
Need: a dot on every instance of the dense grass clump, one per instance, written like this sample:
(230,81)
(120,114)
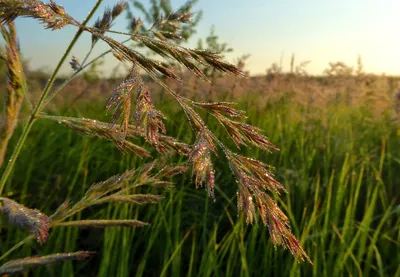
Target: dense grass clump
(342,172)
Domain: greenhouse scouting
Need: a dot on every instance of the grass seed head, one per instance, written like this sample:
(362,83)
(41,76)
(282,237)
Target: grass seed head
(23,217)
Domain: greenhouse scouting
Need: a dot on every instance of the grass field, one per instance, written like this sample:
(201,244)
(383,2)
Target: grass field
(339,158)
(340,164)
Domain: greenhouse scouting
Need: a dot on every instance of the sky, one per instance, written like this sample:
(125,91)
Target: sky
(269,30)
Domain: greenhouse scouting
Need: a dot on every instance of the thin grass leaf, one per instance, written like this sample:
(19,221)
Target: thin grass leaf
(102,223)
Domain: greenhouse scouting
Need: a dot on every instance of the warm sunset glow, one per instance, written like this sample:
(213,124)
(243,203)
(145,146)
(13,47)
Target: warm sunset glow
(320,31)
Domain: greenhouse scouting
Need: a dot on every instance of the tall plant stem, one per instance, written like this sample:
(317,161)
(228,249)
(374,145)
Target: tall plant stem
(36,109)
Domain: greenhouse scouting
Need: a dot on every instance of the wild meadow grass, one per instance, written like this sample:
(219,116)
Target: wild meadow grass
(253,177)
(338,159)
(340,166)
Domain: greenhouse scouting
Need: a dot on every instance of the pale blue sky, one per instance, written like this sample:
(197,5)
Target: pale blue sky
(316,30)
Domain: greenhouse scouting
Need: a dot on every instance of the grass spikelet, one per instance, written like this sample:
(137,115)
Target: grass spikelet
(124,53)
(136,199)
(218,108)
(242,133)
(171,170)
(120,101)
(253,179)
(104,131)
(180,16)
(101,130)
(215,61)
(168,50)
(113,183)
(118,9)
(279,228)
(94,195)
(20,265)
(171,22)
(114,190)
(62,210)
(163,35)
(168,144)
(256,170)
(194,118)
(23,217)
(102,25)
(197,123)
(75,65)
(57,8)
(51,15)
(135,25)
(147,117)
(144,173)
(200,159)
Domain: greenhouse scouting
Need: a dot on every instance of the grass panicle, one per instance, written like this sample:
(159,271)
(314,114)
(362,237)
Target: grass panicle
(146,121)
(104,23)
